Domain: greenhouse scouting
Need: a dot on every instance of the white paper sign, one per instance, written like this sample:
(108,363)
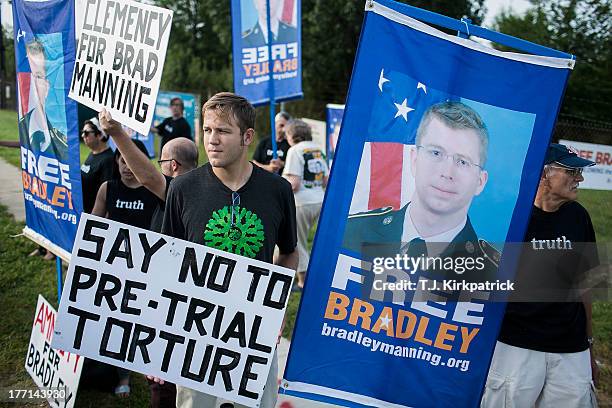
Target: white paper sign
(196,316)
(598,177)
(54,371)
(318,131)
(120,59)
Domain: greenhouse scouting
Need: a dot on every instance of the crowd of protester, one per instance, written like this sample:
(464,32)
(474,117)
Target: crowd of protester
(285,189)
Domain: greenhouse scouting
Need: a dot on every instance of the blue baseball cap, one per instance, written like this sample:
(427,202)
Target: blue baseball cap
(565,156)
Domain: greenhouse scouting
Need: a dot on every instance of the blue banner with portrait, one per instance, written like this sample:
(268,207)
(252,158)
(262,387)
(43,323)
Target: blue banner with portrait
(333,114)
(441,148)
(250,49)
(48,129)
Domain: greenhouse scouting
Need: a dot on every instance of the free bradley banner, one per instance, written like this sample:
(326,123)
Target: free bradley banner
(48,132)
(250,49)
(442,143)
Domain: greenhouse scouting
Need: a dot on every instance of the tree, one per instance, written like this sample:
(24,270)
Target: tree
(199,51)
(580,27)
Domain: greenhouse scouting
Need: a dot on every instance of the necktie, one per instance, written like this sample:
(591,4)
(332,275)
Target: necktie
(416,248)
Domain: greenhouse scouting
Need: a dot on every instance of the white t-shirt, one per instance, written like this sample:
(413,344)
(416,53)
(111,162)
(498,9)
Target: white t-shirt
(306,161)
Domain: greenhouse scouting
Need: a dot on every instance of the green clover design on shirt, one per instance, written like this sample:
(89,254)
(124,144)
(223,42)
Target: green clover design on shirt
(244,238)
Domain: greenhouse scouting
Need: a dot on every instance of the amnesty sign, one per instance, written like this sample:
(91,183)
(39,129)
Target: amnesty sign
(196,316)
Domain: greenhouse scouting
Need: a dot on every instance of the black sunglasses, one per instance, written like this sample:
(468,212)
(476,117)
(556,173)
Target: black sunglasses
(167,160)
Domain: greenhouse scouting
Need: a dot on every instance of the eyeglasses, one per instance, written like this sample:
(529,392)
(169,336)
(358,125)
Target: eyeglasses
(39,75)
(88,132)
(437,155)
(168,160)
(572,171)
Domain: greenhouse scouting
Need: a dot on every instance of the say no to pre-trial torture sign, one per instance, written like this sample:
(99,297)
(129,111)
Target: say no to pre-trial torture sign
(196,316)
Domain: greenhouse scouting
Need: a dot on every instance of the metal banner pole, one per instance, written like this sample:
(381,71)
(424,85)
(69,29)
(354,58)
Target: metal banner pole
(58,265)
(271,83)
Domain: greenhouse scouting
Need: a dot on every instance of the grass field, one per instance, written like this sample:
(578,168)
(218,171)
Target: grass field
(23,278)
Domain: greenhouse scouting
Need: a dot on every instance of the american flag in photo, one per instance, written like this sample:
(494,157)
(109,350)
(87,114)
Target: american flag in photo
(385,178)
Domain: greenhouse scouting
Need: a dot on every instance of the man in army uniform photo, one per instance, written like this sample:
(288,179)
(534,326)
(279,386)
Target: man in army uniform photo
(36,132)
(282,32)
(448,165)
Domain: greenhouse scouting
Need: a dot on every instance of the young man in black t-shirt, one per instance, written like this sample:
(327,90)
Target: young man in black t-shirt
(264,154)
(174,126)
(544,355)
(232,205)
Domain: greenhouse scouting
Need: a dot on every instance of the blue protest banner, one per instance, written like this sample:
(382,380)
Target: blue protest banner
(441,148)
(250,49)
(48,129)
(334,113)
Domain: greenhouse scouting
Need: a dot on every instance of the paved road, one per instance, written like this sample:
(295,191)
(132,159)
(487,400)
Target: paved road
(11,190)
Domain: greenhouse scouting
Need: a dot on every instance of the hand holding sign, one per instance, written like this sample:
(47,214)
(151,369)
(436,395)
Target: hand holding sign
(108,124)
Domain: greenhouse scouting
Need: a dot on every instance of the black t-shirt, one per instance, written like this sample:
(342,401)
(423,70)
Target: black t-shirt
(171,129)
(199,209)
(158,214)
(263,152)
(96,169)
(553,327)
(132,206)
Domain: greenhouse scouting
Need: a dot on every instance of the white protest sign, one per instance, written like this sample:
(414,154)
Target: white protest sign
(120,58)
(55,372)
(196,316)
(598,177)
(318,131)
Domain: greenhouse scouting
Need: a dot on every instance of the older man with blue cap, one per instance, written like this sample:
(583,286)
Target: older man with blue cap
(543,356)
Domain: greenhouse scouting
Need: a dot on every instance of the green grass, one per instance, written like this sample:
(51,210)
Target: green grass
(8,131)
(598,204)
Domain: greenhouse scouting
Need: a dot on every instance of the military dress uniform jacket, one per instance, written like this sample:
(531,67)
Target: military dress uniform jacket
(33,142)
(385,226)
(255,37)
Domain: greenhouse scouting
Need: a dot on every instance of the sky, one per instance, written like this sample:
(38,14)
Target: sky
(493,6)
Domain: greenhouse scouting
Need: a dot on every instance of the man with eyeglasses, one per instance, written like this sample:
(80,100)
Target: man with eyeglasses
(36,132)
(177,157)
(448,165)
(264,154)
(174,126)
(544,355)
